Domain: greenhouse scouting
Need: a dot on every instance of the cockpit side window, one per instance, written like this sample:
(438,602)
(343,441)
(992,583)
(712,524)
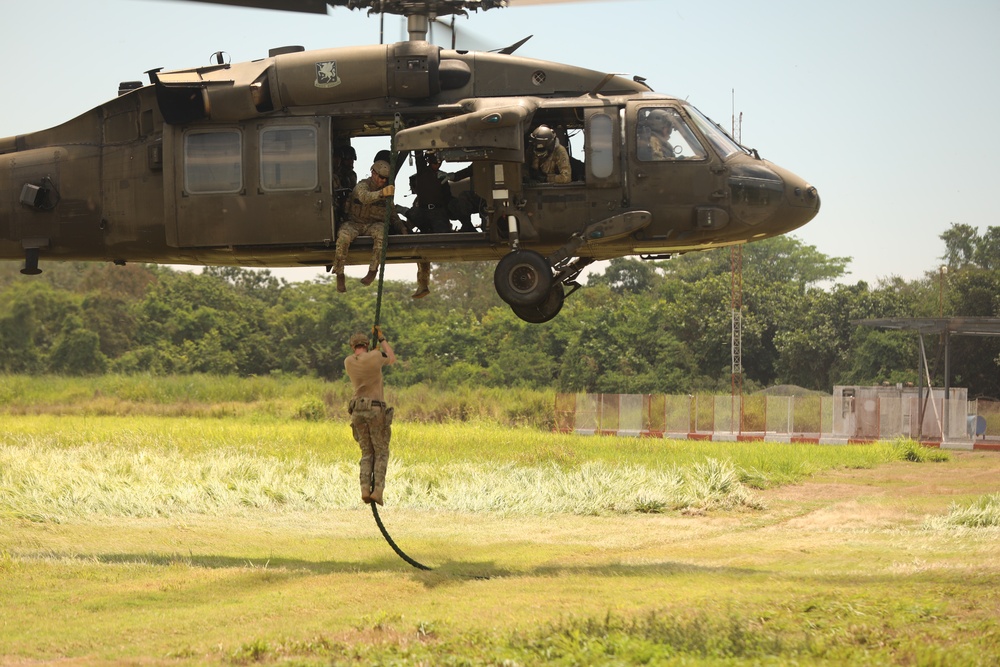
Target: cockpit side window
(662,135)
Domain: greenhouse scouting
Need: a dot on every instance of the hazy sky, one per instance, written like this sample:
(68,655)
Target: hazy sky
(889,107)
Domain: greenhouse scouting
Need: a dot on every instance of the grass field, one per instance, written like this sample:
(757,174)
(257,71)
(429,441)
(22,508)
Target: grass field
(239,539)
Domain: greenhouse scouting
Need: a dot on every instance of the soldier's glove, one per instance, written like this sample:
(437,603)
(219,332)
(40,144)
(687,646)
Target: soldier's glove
(377,330)
(388,190)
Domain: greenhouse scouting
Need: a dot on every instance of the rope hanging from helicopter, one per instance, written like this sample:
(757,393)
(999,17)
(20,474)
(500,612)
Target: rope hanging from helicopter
(397,122)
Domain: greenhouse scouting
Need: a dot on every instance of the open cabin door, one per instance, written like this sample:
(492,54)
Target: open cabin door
(261,182)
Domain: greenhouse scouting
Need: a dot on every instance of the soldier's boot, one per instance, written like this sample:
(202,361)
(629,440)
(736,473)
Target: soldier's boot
(376,494)
(341,283)
(422,291)
(366,493)
(369,277)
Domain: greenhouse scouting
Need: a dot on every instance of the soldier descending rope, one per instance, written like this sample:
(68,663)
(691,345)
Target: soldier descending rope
(371,417)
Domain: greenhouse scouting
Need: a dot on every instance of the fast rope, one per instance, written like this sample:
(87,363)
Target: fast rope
(389,207)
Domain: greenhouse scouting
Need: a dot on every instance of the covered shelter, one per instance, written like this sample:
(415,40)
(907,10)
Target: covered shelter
(945,328)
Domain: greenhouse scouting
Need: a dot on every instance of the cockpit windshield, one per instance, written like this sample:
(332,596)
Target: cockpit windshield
(724,145)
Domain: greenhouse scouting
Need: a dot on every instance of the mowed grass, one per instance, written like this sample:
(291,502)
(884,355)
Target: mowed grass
(241,540)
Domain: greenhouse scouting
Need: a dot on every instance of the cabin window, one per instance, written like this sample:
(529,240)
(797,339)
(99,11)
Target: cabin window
(662,135)
(602,146)
(213,162)
(289,159)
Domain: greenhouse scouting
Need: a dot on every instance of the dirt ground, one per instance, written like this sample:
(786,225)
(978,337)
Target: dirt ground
(895,494)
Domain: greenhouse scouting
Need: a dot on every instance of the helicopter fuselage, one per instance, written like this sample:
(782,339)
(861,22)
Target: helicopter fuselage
(231,165)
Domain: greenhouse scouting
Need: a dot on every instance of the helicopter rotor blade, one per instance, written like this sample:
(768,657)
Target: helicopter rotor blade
(522,3)
(304,6)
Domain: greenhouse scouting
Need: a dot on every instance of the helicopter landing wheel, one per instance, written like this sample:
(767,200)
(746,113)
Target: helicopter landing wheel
(544,311)
(523,278)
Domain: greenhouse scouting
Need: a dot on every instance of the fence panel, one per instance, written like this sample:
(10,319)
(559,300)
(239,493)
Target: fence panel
(704,413)
(956,424)
(630,414)
(679,414)
(778,414)
(864,417)
(726,410)
(807,415)
(587,415)
(656,410)
(565,416)
(990,411)
(609,412)
(892,417)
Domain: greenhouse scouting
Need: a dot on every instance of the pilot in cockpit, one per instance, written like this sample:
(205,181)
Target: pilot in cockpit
(654,136)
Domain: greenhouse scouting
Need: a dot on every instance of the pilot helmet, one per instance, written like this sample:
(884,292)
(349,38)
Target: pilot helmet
(358,339)
(659,120)
(347,152)
(383,154)
(543,140)
(381,168)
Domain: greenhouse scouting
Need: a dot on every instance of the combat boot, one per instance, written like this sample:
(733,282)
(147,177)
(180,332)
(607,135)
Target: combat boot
(376,494)
(366,493)
(422,291)
(369,277)
(341,283)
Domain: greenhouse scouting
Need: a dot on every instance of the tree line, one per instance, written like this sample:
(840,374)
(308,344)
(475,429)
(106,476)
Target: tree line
(639,327)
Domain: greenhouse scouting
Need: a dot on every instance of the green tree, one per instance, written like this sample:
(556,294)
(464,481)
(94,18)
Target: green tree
(33,315)
(77,351)
(627,276)
(960,241)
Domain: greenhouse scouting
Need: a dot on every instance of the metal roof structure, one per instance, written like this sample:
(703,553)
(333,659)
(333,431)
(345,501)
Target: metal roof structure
(946,327)
(957,326)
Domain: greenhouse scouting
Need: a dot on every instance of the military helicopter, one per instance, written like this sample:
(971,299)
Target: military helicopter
(232,163)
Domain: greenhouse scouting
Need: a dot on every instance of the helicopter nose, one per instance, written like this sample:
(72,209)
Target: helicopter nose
(803,201)
(799,205)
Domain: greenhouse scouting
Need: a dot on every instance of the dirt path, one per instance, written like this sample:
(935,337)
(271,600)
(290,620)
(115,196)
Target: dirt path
(894,494)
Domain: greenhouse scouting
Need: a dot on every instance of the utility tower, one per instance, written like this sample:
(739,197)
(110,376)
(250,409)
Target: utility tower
(736,307)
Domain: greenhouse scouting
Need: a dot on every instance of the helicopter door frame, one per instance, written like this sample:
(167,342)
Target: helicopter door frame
(686,191)
(264,182)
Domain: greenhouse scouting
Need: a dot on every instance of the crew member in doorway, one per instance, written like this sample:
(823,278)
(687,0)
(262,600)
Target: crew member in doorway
(371,417)
(365,212)
(347,176)
(429,212)
(549,159)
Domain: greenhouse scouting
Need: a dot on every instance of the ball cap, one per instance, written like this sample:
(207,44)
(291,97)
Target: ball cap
(358,339)
(381,167)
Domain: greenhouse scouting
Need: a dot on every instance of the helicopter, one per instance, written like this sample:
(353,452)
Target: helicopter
(232,164)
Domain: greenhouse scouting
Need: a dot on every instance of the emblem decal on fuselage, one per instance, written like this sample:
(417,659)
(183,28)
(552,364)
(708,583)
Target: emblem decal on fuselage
(326,74)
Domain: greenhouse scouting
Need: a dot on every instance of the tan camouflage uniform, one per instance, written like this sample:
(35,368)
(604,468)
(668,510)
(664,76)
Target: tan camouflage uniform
(365,213)
(555,165)
(371,417)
